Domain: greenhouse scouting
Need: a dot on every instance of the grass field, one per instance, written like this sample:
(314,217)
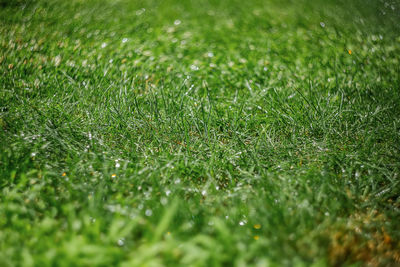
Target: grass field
(199,133)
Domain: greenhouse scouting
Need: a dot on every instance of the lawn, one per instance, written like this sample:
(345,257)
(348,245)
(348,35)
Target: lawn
(199,133)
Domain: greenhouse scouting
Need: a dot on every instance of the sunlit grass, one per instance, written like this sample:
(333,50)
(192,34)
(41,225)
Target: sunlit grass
(206,133)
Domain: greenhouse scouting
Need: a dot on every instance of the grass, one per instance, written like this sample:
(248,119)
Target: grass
(201,133)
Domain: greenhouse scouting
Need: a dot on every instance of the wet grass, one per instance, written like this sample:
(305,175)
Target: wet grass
(205,133)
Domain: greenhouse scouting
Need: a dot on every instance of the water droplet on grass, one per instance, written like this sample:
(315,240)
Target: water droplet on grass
(194,67)
(148,212)
(121,242)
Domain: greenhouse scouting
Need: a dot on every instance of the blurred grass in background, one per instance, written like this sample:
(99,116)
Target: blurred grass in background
(205,133)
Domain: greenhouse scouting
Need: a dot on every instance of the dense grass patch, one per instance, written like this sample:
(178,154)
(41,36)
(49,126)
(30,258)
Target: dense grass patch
(206,133)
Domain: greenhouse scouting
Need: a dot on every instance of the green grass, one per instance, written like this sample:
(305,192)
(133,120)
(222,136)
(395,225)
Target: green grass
(199,133)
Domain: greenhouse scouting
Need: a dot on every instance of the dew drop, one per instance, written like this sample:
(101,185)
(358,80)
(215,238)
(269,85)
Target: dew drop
(194,67)
(121,242)
(148,212)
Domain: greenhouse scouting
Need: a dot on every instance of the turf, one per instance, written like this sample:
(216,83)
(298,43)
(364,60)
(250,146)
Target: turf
(199,133)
